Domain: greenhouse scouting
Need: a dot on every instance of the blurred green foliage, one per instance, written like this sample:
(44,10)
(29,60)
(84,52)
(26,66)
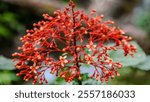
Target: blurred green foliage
(145,65)
(131,76)
(7,73)
(9,23)
(6,64)
(135,70)
(14,20)
(8,77)
(118,56)
(143,20)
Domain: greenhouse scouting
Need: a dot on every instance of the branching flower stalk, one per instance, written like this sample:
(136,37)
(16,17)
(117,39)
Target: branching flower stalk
(85,40)
(74,39)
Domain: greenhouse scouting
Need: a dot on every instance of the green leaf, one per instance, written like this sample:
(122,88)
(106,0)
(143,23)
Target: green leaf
(86,65)
(7,77)
(8,17)
(70,64)
(6,63)
(87,51)
(5,32)
(118,56)
(61,81)
(86,80)
(92,82)
(145,65)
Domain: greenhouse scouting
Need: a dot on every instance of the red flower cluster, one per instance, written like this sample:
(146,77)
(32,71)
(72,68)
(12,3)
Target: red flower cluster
(84,40)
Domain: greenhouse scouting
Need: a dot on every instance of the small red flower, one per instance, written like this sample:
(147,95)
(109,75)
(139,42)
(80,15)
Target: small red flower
(78,39)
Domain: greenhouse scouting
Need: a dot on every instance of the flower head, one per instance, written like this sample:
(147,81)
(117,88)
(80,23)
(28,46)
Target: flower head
(82,37)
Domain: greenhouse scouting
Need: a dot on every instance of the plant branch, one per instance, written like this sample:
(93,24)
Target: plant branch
(74,43)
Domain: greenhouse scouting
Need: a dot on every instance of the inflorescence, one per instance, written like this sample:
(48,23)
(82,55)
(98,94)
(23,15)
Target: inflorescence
(84,39)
